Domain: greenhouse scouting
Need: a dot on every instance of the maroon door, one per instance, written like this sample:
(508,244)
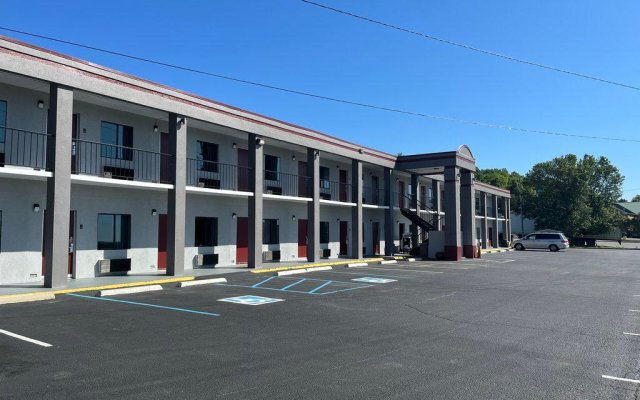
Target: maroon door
(375,236)
(242,240)
(243,173)
(164,158)
(74,144)
(400,194)
(162,241)
(344,232)
(303,190)
(302,238)
(343,185)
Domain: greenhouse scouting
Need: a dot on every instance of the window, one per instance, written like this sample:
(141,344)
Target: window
(206,232)
(270,231)
(207,156)
(3,119)
(325,177)
(271,168)
(116,141)
(114,231)
(324,232)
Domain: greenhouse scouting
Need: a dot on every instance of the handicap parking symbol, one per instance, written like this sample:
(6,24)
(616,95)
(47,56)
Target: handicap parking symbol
(369,279)
(249,300)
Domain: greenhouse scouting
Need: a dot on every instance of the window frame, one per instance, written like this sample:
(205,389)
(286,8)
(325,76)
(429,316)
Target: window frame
(325,182)
(122,149)
(206,164)
(325,229)
(125,232)
(267,231)
(272,174)
(210,239)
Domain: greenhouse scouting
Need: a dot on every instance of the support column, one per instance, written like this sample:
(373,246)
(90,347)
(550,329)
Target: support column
(389,220)
(256,185)
(468,218)
(56,224)
(497,223)
(357,239)
(176,202)
(435,189)
(452,243)
(485,222)
(313,207)
(507,215)
(414,204)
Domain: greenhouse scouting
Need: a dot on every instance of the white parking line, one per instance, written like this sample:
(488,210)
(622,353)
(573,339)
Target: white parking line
(26,339)
(634,310)
(631,334)
(620,379)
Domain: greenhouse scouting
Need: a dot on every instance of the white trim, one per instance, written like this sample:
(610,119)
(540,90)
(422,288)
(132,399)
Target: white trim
(337,203)
(286,198)
(218,192)
(10,171)
(110,182)
(375,207)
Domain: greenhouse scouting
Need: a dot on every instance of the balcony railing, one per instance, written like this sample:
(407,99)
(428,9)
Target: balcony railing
(373,196)
(336,191)
(214,175)
(119,162)
(23,148)
(284,184)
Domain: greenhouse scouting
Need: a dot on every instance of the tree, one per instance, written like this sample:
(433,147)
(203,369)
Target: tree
(636,198)
(502,178)
(573,195)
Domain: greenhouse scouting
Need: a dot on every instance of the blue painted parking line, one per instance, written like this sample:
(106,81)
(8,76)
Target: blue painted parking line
(145,304)
(320,287)
(264,281)
(293,284)
(249,300)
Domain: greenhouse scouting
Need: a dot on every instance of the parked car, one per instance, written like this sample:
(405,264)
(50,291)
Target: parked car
(542,240)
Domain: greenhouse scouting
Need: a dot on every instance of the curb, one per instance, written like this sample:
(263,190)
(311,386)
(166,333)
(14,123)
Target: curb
(362,264)
(308,266)
(201,282)
(27,297)
(388,262)
(97,288)
(496,251)
(129,290)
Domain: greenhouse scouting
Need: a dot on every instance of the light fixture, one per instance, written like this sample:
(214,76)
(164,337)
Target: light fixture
(360,151)
(234,145)
(293,217)
(154,212)
(36,207)
(293,157)
(337,219)
(259,142)
(182,121)
(233,216)
(155,128)
(316,154)
(40,104)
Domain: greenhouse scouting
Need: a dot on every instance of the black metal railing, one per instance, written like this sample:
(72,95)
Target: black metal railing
(119,162)
(336,191)
(373,196)
(284,184)
(23,148)
(424,211)
(214,175)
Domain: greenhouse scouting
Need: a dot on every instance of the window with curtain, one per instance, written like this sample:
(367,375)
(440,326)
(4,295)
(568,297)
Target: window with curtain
(116,141)
(114,231)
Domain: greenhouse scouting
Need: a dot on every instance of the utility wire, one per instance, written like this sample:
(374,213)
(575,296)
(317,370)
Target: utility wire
(321,97)
(471,48)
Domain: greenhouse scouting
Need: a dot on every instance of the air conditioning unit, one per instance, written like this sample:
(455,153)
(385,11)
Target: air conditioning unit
(325,253)
(206,260)
(114,266)
(107,174)
(271,255)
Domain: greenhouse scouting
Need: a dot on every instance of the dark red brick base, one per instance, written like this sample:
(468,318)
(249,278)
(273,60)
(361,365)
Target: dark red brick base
(469,251)
(452,253)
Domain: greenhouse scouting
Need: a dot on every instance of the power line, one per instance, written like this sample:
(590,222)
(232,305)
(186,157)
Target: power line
(321,97)
(472,48)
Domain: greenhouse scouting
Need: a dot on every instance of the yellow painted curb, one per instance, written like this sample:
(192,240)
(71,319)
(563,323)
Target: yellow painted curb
(23,298)
(104,287)
(325,264)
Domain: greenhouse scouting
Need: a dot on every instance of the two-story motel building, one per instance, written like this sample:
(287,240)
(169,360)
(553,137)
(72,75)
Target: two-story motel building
(102,172)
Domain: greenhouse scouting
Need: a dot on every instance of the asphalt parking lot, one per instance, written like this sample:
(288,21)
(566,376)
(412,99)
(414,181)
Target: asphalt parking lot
(517,325)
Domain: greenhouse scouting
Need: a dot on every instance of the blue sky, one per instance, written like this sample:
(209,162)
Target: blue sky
(290,44)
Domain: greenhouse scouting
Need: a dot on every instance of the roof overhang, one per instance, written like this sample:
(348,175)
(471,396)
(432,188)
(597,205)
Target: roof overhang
(435,163)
